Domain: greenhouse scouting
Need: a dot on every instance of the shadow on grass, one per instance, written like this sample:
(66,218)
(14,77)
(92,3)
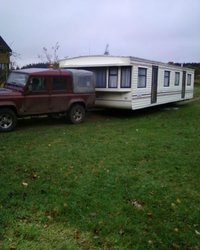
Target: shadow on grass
(96,115)
(37,122)
(103,114)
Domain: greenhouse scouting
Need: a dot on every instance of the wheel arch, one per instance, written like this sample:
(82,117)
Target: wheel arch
(8,118)
(13,108)
(80,102)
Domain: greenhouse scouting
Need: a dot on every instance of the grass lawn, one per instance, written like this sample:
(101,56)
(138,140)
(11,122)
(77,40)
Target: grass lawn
(121,180)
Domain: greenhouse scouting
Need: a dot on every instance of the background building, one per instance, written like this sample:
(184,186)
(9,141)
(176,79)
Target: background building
(5,53)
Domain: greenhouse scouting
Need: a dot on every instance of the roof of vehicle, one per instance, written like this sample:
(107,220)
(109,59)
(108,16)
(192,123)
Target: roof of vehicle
(40,70)
(49,71)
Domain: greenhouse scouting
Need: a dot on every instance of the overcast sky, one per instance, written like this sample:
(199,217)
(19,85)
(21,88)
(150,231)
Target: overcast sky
(163,30)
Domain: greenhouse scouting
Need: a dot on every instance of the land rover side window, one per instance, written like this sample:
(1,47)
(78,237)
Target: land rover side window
(125,77)
(100,77)
(189,79)
(113,77)
(37,84)
(142,77)
(59,83)
(166,78)
(177,78)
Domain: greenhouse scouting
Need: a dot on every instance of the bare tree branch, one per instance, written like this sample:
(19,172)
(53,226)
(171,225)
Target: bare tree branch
(52,58)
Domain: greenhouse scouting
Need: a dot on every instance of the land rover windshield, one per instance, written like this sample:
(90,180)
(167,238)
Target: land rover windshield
(17,79)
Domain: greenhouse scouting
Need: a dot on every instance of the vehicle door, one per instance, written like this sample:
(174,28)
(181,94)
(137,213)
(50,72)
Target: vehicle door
(61,92)
(37,99)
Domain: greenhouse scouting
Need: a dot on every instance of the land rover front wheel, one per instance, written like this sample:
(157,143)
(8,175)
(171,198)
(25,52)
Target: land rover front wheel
(76,114)
(8,120)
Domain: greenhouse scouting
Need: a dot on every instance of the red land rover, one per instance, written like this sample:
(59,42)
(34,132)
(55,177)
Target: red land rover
(32,92)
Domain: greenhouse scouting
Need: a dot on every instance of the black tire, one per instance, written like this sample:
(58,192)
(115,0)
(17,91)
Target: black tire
(76,114)
(8,120)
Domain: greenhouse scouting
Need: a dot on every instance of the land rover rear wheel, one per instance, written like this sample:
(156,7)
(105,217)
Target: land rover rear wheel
(8,120)
(76,114)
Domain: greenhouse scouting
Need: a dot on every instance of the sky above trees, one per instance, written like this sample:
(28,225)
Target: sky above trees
(153,29)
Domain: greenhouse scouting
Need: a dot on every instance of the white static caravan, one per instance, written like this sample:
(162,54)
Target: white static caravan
(134,83)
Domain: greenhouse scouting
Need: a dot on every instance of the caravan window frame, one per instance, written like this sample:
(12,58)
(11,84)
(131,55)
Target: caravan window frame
(177,79)
(100,75)
(125,81)
(189,79)
(113,77)
(142,77)
(166,78)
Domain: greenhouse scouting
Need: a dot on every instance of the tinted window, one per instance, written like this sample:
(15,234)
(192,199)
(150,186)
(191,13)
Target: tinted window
(37,84)
(59,83)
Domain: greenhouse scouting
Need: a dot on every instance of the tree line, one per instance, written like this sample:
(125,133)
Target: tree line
(36,65)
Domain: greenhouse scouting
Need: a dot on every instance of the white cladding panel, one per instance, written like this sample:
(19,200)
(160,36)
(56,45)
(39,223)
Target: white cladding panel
(88,61)
(114,99)
(141,97)
(134,97)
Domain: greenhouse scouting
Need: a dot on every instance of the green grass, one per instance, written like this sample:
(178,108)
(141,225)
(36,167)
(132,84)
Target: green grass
(121,180)
(197,89)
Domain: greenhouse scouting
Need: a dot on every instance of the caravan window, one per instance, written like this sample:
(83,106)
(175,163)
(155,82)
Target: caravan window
(100,77)
(142,77)
(177,78)
(113,77)
(125,77)
(189,79)
(166,78)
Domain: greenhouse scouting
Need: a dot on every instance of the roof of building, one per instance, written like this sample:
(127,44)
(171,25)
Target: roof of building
(4,46)
(107,60)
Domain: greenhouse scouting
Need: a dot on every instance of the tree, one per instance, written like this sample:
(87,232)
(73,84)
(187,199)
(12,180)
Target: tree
(51,57)
(13,60)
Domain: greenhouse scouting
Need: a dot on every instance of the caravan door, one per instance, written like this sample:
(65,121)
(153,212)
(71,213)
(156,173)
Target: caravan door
(183,85)
(154,84)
